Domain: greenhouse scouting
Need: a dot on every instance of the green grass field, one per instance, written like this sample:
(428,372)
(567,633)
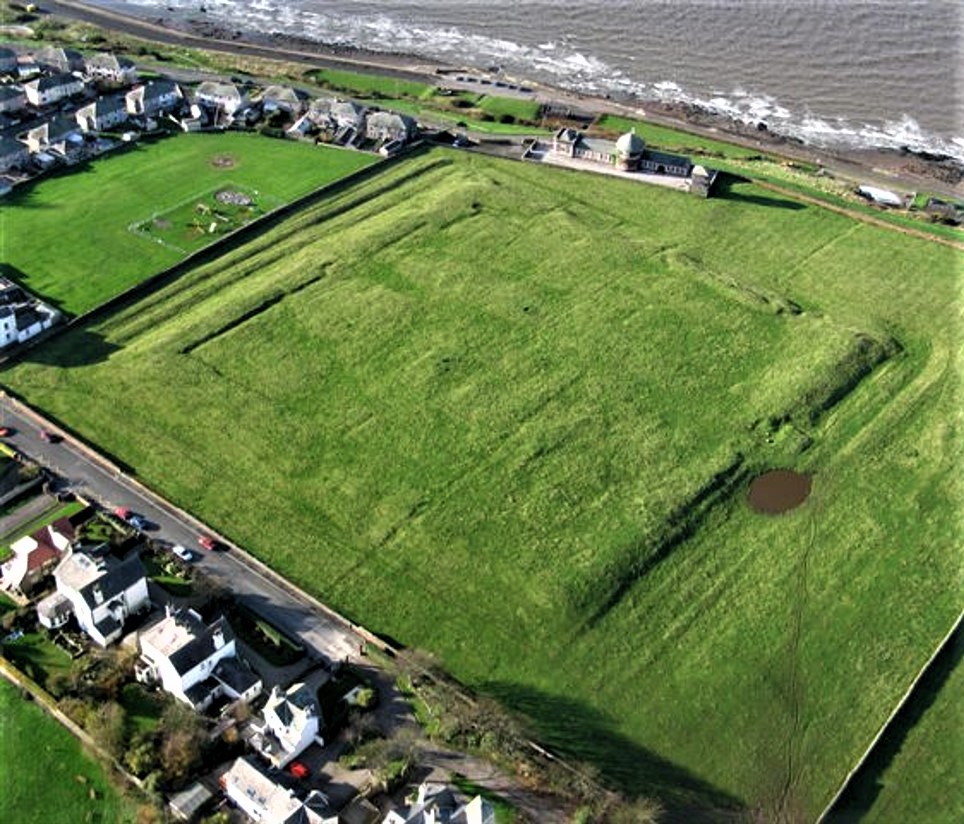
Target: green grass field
(69,238)
(47,776)
(508,414)
(923,782)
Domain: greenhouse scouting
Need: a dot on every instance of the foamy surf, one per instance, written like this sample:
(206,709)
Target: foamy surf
(557,61)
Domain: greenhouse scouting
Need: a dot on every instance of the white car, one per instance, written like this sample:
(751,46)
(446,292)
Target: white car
(182,552)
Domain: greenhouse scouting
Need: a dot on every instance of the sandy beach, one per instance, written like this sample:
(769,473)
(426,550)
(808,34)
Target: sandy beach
(904,170)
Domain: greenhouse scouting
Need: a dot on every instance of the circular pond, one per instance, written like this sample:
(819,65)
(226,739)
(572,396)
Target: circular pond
(779,490)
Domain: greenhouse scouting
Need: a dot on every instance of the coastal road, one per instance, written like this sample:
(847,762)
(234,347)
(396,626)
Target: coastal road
(881,168)
(256,586)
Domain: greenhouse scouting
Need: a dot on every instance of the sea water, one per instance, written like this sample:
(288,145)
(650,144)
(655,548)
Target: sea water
(836,73)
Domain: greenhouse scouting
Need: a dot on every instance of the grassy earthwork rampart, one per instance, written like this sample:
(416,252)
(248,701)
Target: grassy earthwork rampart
(508,414)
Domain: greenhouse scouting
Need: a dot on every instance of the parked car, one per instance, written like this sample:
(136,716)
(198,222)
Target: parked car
(6,431)
(49,437)
(298,770)
(183,553)
(207,542)
(135,520)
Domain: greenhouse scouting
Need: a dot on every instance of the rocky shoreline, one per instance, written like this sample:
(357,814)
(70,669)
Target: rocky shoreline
(905,168)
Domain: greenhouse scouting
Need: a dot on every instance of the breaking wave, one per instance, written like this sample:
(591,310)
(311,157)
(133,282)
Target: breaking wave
(553,62)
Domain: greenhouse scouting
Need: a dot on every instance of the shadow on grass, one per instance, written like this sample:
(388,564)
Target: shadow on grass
(862,791)
(728,188)
(78,347)
(585,734)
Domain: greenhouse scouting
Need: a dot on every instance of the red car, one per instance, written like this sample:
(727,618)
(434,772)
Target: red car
(5,431)
(48,436)
(207,542)
(298,770)
(122,512)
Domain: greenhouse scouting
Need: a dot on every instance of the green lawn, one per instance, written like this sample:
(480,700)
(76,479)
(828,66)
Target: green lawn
(673,140)
(38,657)
(77,239)
(913,773)
(924,781)
(47,776)
(508,413)
(364,85)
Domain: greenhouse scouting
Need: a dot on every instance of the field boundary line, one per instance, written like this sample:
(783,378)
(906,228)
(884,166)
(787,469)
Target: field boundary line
(856,215)
(49,705)
(823,817)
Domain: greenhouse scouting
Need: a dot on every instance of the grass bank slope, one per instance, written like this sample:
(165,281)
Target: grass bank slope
(72,238)
(47,776)
(508,414)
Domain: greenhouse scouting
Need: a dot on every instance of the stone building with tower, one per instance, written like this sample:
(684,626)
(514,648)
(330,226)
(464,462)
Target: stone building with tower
(630,154)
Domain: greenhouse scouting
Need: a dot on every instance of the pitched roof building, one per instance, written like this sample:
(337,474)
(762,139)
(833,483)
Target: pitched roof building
(52,88)
(291,723)
(194,661)
(109,68)
(103,593)
(104,113)
(54,58)
(153,97)
(264,801)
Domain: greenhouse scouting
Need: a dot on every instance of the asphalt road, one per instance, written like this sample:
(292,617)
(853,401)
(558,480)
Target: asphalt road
(261,590)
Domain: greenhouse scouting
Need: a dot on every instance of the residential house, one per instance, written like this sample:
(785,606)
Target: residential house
(349,114)
(109,69)
(103,593)
(290,726)
(12,99)
(103,114)
(282,98)
(52,88)
(386,127)
(436,804)
(225,98)
(32,561)
(332,113)
(18,324)
(55,59)
(21,318)
(36,555)
(193,661)
(154,97)
(13,154)
(60,135)
(267,802)
(8,61)
(572,143)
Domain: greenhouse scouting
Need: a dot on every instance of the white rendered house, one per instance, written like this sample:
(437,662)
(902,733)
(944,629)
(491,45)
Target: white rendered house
(291,724)
(102,593)
(195,662)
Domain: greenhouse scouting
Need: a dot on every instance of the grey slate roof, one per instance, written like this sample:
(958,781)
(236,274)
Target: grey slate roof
(52,81)
(201,646)
(117,577)
(233,673)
